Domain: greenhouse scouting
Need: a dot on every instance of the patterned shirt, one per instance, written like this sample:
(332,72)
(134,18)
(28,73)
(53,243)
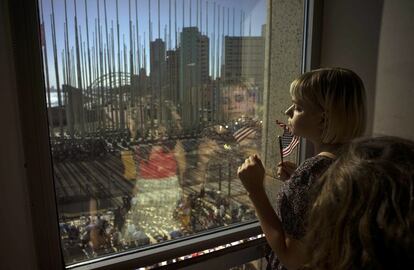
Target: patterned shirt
(293,200)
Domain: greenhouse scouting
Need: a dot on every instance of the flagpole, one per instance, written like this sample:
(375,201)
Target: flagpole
(213,48)
(218,44)
(109,69)
(55,57)
(120,92)
(79,72)
(139,52)
(175,23)
(89,89)
(169,26)
(137,40)
(44,48)
(68,79)
(131,61)
(115,99)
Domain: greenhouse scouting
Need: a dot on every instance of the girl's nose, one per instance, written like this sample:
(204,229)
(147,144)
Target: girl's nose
(288,112)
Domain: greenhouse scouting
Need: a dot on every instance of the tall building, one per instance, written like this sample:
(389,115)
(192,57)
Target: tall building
(157,64)
(74,110)
(204,59)
(173,75)
(263,31)
(194,73)
(157,77)
(244,60)
(171,91)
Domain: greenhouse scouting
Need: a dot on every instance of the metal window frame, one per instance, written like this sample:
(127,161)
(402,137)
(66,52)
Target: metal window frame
(226,258)
(311,51)
(171,250)
(25,29)
(41,191)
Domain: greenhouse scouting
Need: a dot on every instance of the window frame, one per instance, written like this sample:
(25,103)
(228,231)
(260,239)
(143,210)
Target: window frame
(25,30)
(311,56)
(174,249)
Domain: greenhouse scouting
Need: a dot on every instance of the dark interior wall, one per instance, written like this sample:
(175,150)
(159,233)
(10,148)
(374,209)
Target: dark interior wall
(350,39)
(375,38)
(394,107)
(17,247)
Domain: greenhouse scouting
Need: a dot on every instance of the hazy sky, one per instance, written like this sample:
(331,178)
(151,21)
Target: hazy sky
(255,12)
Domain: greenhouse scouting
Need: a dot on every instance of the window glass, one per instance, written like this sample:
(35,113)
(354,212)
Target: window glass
(152,106)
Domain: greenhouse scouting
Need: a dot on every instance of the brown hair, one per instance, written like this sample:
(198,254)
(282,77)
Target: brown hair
(362,216)
(340,94)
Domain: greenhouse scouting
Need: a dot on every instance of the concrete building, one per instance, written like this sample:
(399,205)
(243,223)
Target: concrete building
(194,67)
(173,75)
(244,60)
(74,111)
(158,76)
(157,64)
(171,91)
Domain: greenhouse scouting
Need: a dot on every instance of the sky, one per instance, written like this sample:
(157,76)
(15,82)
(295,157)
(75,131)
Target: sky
(254,10)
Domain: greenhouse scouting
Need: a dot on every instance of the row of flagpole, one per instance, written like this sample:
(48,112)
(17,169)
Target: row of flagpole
(84,65)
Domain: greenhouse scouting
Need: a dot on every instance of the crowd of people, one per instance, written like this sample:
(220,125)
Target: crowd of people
(151,214)
(89,147)
(112,230)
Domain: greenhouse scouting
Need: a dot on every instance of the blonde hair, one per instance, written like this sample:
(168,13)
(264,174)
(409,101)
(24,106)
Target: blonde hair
(340,95)
(362,215)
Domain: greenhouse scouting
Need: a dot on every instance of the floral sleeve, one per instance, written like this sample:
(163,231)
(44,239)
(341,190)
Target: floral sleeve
(293,198)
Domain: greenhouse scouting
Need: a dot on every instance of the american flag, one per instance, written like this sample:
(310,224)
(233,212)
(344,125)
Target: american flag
(288,141)
(242,133)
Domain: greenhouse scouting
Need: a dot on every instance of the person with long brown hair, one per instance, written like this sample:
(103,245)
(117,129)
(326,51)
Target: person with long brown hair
(362,216)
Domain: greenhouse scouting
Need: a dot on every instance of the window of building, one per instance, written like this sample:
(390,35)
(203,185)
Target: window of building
(144,149)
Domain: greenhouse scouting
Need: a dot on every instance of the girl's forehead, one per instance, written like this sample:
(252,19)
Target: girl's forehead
(306,104)
(295,91)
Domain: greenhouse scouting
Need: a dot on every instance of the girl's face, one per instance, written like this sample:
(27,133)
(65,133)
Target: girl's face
(305,120)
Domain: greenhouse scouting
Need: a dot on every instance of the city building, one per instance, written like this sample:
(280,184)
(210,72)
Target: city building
(172,75)
(194,67)
(244,60)
(171,91)
(158,65)
(158,76)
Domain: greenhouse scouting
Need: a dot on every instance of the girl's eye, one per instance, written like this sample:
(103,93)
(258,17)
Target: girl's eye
(297,108)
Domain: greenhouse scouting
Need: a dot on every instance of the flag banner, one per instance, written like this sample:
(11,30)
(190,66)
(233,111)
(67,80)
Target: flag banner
(243,133)
(288,141)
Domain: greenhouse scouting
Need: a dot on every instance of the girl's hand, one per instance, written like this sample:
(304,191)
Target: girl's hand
(251,174)
(285,170)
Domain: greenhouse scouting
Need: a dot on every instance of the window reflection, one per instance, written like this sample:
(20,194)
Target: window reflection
(149,117)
